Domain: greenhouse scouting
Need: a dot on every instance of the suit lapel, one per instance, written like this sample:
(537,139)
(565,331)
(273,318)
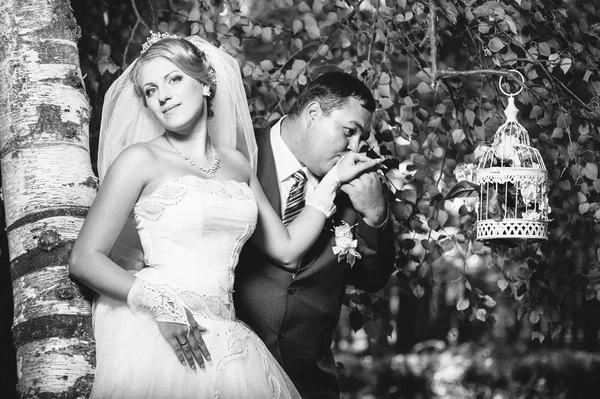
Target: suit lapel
(266,171)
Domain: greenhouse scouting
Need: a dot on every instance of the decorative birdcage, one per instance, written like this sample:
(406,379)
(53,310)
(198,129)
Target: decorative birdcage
(513,199)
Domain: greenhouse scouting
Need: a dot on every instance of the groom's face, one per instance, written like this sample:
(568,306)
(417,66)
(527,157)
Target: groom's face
(332,135)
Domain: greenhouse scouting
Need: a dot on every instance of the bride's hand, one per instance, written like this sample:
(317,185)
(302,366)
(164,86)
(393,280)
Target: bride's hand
(353,164)
(188,344)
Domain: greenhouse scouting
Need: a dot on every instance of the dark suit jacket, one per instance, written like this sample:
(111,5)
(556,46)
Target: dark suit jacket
(296,314)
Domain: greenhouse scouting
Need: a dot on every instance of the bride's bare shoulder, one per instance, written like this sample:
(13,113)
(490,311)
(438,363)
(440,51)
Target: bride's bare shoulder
(139,155)
(235,160)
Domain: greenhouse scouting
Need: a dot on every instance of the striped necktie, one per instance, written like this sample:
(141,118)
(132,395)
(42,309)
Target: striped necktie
(295,201)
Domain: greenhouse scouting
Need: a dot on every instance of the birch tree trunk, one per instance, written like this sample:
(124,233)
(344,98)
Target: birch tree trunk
(48,185)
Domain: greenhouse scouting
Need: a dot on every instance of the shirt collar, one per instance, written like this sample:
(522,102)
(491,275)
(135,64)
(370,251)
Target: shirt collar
(286,163)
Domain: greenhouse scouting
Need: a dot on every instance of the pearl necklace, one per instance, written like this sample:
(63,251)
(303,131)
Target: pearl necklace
(216,163)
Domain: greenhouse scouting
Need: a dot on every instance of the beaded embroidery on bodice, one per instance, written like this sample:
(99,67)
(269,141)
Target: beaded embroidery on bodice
(171,192)
(193,230)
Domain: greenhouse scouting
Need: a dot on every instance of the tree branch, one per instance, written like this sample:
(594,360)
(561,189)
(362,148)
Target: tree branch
(139,21)
(433,42)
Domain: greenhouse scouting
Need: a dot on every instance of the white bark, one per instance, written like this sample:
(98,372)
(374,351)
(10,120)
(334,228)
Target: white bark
(48,185)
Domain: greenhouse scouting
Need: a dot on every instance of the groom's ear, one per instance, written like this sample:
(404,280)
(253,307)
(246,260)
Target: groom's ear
(311,112)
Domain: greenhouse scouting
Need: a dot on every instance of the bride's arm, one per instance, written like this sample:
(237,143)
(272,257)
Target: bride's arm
(116,197)
(286,245)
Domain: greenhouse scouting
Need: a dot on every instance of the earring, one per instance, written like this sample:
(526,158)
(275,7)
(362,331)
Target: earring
(206,91)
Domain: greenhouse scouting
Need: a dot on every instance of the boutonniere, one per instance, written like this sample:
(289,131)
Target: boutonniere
(345,244)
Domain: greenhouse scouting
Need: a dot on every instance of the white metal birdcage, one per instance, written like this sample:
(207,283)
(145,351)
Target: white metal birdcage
(513,199)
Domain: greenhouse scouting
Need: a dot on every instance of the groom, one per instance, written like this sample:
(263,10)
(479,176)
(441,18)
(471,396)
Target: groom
(296,314)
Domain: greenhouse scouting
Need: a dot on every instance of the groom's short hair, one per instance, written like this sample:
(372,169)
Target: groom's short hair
(333,90)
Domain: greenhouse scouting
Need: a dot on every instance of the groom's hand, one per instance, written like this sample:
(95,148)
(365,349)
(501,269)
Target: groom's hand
(187,344)
(366,194)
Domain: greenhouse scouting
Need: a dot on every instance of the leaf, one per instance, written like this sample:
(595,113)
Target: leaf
(470,115)
(463,304)
(410,196)
(511,24)
(385,102)
(525,5)
(346,65)
(564,185)
(266,65)
(537,335)
(463,188)
(484,27)
(267,35)
(331,19)
(303,7)
(591,171)
(536,112)
(423,88)
(565,64)
(489,302)
(450,11)
(534,317)
(424,75)
(544,49)
(298,65)
(557,133)
(297,26)
(481,314)
(458,135)
(312,28)
(442,217)
(433,224)
(502,284)
(407,127)
(563,121)
(496,44)
(521,312)
(555,329)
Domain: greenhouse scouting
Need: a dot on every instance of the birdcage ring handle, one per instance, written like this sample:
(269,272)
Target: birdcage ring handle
(520,88)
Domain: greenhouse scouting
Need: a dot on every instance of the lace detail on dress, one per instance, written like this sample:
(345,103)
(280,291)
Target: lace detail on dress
(173,191)
(161,300)
(212,307)
(237,348)
(236,257)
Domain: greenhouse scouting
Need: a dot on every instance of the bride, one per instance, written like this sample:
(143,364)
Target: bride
(177,135)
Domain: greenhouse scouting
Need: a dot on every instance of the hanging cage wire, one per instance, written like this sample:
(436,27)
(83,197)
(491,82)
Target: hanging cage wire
(513,180)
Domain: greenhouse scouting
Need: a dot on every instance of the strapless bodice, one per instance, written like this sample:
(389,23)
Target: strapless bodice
(192,230)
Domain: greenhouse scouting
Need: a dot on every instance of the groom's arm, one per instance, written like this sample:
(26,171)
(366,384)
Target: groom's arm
(377,249)
(374,233)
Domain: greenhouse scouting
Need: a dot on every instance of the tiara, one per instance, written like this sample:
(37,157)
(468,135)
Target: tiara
(155,37)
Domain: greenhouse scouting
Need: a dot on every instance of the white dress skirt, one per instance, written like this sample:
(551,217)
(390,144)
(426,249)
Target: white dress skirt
(192,231)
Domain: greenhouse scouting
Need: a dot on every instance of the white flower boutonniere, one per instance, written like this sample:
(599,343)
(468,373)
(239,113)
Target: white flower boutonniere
(345,244)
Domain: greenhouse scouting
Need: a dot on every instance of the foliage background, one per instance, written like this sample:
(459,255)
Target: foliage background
(433,66)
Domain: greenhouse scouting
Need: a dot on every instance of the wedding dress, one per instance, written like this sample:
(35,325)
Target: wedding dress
(192,231)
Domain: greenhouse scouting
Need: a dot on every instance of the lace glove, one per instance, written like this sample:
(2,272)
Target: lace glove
(323,196)
(159,299)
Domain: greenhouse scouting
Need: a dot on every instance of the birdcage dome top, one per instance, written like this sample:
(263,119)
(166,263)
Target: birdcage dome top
(511,147)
